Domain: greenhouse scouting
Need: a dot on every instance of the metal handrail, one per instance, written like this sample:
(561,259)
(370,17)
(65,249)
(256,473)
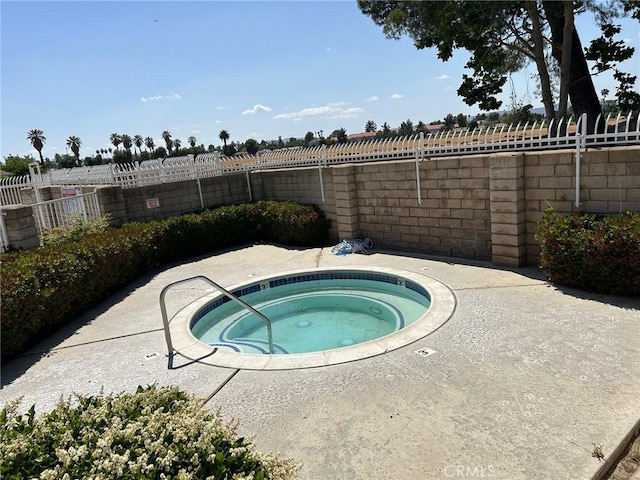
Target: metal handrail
(165,319)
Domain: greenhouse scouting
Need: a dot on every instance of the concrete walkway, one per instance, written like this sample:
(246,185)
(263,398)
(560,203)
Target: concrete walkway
(525,377)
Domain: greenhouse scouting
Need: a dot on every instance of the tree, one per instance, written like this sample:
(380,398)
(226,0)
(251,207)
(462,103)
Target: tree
(370,126)
(192,141)
(522,115)
(115,139)
(74,143)
(122,156)
(160,152)
(309,137)
(461,120)
(252,146)
(421,127)
(224,136)
(138,142)
(607,53)
(502,37)
(341,135)
(37,139)
(406,128)
(385,130)
(166,136)
(65,161)
(449,122)
(17,165)
(149,143)
(126,142)
(176,144)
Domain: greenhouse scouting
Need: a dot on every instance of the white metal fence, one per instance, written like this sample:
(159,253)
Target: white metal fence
(66,212)
(616,130)
(10,189)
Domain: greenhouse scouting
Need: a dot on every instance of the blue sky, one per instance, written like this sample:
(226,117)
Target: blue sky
(256,69)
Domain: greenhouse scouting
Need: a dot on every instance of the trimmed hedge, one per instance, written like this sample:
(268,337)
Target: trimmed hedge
(152,433)
(47,287)
(594,253)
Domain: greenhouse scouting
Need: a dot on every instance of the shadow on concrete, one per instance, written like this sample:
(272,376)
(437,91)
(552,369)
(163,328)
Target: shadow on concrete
(50,345)
(626,302)
(532,272)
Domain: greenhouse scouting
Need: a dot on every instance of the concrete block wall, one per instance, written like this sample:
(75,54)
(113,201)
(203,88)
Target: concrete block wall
(181,197)
(609,184)
(480,206)
(21,227)
(452,218)
(508,215)
(300,185)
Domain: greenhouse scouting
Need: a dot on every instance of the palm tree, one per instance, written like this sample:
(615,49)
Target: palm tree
(192,141)
(74,143)
(37,139)
(126,142)
(138,142)
(176,144)
(370,126)
(115,139)
(224,136)
(166,136)
(150,144)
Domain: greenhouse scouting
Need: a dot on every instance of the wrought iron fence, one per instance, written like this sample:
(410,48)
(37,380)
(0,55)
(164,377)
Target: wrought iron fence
(572,134)
(10,189)
(66,212)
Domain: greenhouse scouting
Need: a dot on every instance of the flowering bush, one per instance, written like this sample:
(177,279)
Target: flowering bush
(598,254)
(155,433)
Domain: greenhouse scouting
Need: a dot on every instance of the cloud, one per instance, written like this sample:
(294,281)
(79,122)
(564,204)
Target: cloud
(332,110)
(396,96)
(256,108)
(371,99)
(196,131)
(442,77)
(222,108)
(171,96)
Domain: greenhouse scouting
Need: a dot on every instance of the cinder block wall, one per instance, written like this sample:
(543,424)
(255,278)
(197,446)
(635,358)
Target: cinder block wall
(181,197)
(609,184)
(302,185)
(452,216)
(480,206)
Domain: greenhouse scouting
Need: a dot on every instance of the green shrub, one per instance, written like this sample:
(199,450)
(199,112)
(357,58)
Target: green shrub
(44,288)
(79,227)
(594,253)
(153,433)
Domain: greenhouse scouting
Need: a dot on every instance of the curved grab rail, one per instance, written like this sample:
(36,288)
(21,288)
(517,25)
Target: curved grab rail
(165,320)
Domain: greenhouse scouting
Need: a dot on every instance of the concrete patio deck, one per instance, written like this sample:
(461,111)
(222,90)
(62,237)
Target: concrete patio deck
(525,377)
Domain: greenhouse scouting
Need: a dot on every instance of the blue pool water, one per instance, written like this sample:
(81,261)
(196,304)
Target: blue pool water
(312,312)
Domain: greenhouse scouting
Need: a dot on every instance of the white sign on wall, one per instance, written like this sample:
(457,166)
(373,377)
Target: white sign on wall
(153,202)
